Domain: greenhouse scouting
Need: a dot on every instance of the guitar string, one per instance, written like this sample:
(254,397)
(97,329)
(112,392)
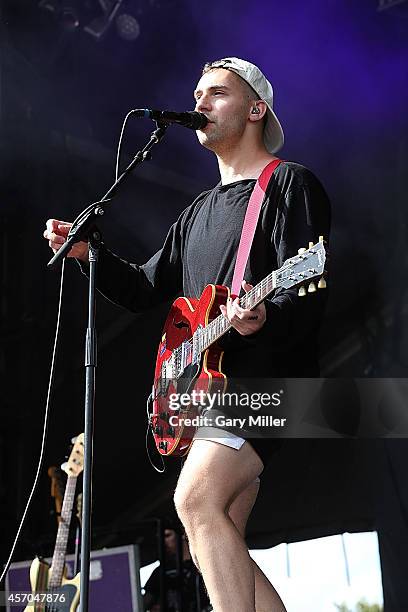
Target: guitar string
(62,534)
(220,324)
(204,337)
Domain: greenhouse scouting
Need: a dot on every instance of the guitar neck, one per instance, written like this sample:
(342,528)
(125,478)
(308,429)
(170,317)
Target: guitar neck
(305,267)
(205,336)
(58,559)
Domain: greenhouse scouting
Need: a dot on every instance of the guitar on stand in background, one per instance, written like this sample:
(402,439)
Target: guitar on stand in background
(57,489)
(64,593)
(77,561)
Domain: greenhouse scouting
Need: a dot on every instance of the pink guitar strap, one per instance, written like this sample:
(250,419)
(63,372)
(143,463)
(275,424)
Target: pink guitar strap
(250,223)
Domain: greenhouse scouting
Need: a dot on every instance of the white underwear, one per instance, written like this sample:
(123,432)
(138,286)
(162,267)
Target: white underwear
(215,434)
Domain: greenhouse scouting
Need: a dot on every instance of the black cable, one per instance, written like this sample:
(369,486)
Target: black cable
(45,429)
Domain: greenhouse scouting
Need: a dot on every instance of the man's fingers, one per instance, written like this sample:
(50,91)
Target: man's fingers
(54,245)
(54,238)
(56,234)
(236,308)
(64,227)
(244,320)
(51,224)
(234,313)
(229,311)
(57,226)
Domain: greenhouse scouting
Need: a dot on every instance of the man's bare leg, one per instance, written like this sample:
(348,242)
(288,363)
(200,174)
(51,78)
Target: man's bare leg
(266,597)
(211,479)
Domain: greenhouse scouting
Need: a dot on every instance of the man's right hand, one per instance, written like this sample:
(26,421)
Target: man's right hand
(56,234)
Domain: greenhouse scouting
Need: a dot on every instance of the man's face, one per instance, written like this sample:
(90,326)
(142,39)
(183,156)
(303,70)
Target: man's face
(222,98)
(170,541)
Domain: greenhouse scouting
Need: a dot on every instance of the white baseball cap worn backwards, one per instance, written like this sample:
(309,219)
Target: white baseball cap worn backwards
(273,133)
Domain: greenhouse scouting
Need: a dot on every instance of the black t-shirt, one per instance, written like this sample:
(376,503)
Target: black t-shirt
(200,248)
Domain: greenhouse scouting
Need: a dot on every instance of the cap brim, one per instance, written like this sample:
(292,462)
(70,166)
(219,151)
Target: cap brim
(273,133)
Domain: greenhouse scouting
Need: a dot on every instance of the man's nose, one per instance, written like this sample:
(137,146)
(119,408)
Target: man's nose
(203,104)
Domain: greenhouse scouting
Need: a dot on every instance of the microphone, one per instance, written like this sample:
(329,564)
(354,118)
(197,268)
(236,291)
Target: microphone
(190,119)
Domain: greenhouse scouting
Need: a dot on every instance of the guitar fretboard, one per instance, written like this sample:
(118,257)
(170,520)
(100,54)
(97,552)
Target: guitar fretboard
(58,559)
(190,350)
(205,336)
(303,267)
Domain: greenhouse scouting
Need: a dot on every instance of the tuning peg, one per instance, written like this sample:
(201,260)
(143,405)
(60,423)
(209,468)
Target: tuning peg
(322,283)
(300,251)
(312,288)
(321,239)
(302,291)
(310,245)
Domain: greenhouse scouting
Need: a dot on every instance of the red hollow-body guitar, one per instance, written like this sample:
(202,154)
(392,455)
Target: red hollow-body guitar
(189,357)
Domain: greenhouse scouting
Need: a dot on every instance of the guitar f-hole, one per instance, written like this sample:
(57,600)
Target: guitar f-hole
(180,324)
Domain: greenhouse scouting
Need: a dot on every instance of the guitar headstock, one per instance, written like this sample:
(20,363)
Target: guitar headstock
(304,268)
(75,463)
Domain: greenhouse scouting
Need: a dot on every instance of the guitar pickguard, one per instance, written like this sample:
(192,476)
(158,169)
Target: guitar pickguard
(65,597)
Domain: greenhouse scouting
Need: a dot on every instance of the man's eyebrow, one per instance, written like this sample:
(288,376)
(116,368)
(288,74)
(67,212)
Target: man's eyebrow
(197,91)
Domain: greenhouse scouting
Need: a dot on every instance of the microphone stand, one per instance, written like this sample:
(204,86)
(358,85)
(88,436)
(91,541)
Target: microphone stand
(83,227)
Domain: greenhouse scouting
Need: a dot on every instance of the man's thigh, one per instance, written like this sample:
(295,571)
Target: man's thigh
(215,474)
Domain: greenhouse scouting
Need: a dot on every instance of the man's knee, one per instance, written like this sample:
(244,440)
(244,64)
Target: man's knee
(187,503)
(181,502)
(195,507)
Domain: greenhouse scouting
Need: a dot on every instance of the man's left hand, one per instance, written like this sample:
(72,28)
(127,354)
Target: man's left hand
(245,321)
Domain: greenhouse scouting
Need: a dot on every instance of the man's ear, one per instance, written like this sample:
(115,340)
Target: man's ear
(258,110)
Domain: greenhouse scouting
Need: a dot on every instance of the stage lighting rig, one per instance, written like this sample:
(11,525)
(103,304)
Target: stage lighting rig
(387,4)
(66,13)
(99,26)
(114,11)
(96,17)
(127,26)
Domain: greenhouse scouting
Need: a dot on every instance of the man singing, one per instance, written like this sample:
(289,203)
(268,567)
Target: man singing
(219,480)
